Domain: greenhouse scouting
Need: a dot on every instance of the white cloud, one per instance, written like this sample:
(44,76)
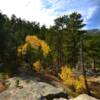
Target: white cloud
(53,1)
(88,14)
(33,10)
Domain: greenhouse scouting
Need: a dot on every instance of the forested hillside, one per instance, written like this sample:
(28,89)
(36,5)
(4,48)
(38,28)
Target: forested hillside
(65,50)
(64,40)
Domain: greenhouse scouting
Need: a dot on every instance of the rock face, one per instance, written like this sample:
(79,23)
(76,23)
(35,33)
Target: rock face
(60,99)
(80,97)
(31,89)
(24,89)
(84,97)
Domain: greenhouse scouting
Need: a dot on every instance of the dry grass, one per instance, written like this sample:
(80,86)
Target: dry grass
(95,86)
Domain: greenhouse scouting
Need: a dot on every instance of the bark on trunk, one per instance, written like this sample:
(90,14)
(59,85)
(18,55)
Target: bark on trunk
(83,68)
(93,65)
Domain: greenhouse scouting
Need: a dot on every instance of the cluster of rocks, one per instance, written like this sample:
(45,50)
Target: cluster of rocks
(26,89)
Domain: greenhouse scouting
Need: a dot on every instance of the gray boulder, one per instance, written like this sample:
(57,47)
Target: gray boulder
(60,99)
(22,89)
(80,97)
(84,97)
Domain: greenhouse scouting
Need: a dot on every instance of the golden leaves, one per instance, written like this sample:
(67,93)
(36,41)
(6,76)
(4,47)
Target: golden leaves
(22,49)
(45,48)
(35,43)
(37,66)
(67,77)
(80,83)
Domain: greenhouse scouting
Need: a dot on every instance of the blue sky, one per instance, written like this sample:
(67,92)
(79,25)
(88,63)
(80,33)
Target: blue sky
(45,11)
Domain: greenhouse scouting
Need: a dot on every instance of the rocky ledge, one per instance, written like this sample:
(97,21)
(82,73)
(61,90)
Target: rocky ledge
(31,89)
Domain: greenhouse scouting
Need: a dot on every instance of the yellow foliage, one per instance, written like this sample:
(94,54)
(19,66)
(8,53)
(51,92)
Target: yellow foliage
(68,78)
(67,75)
(22,49)
(19,49)
(80,83)
(35,43)
(37,66)
(45,48)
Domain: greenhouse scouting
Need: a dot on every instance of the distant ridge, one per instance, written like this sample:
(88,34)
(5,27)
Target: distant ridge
(94,31)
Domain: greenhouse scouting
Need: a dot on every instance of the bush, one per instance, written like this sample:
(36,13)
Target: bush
(4,76)
(79,84)
(37,66)
(66,75)
(68,79)
(17,83)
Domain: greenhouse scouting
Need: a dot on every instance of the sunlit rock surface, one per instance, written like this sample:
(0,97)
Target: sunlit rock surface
(28,89)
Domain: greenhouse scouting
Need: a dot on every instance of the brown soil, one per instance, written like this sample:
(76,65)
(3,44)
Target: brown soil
(2,87)
(95,86)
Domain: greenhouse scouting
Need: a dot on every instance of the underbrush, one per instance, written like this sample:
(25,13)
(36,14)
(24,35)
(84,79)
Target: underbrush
(4,76)
(76,84)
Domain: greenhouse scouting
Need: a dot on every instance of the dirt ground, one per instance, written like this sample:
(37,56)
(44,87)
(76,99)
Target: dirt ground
(94,83)
(95,86)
